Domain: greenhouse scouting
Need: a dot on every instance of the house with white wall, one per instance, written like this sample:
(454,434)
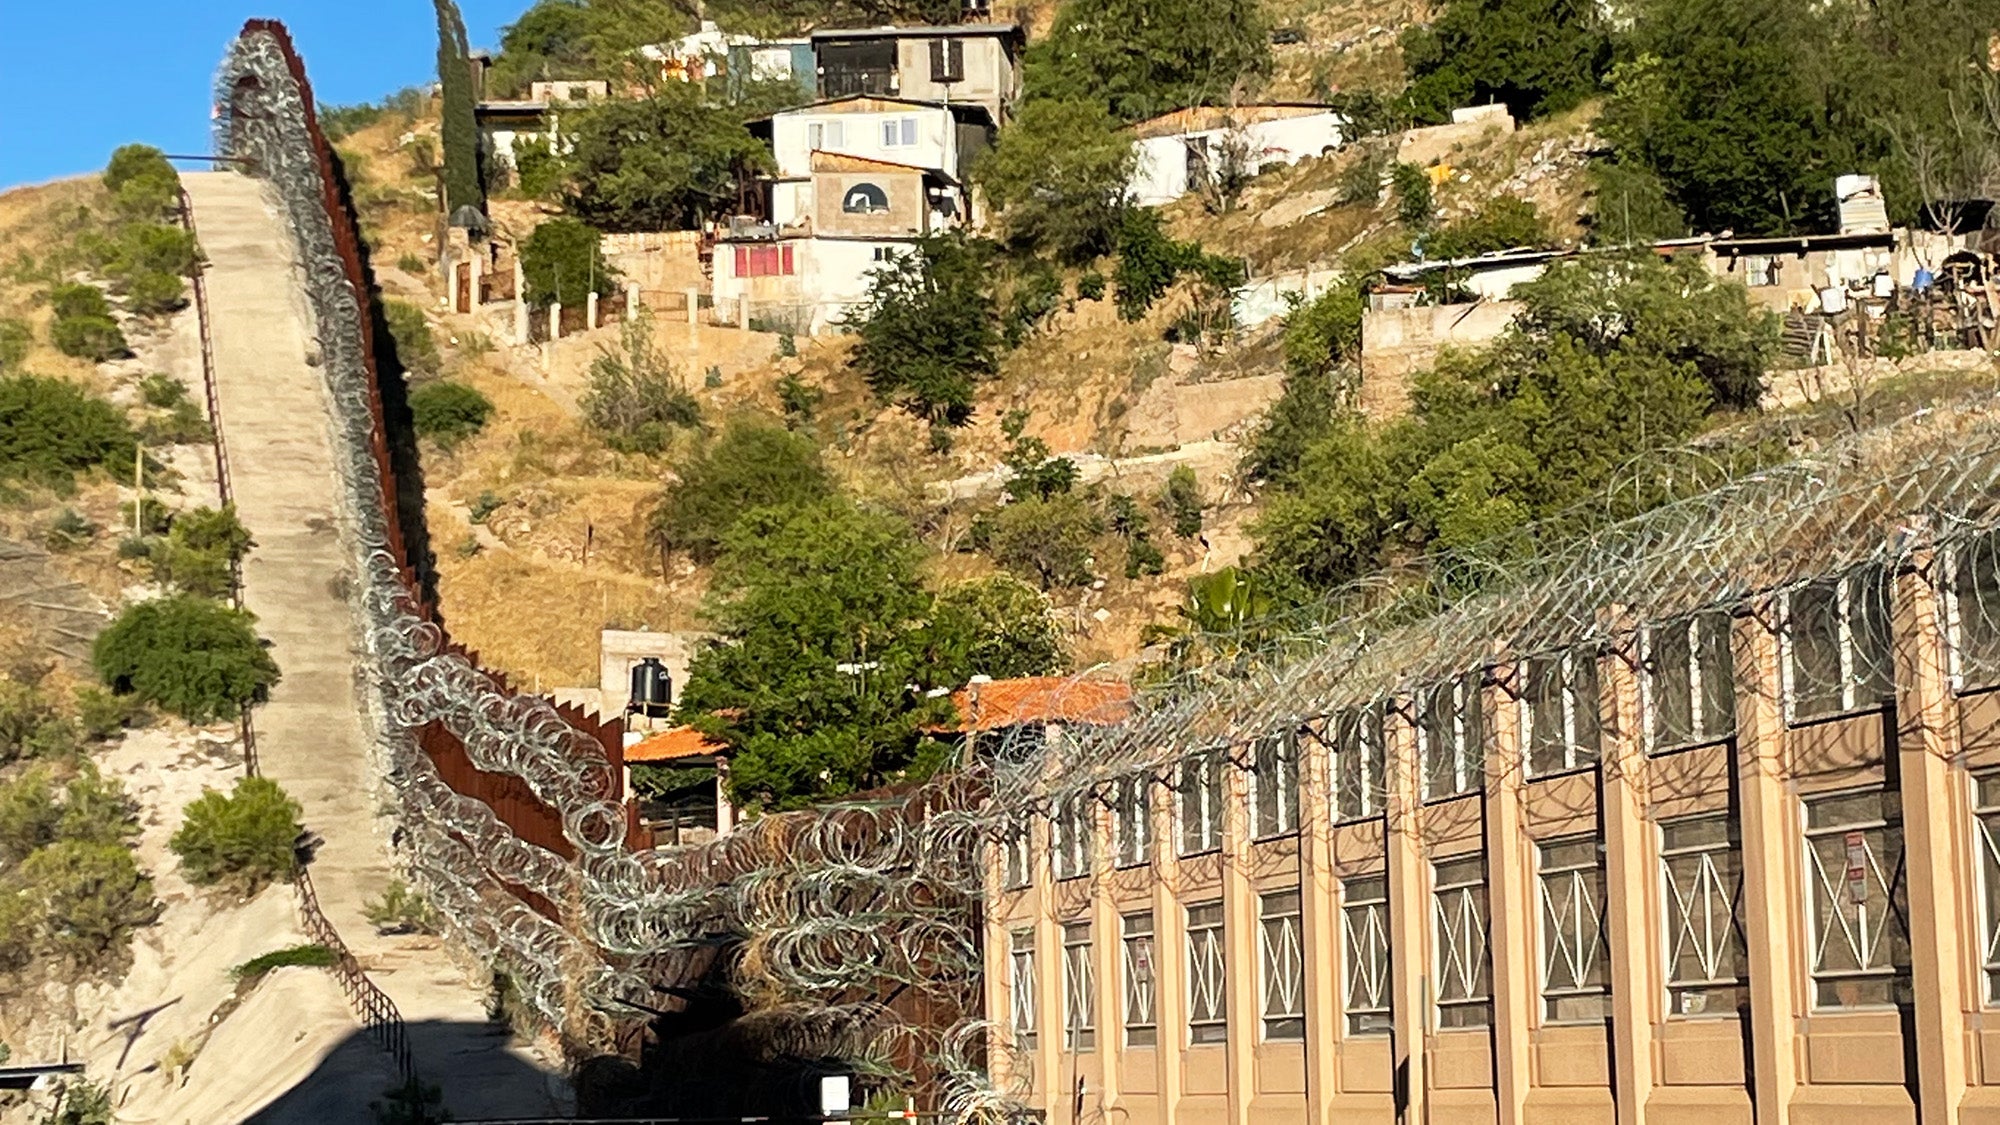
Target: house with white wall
(505,124)
(1178,152)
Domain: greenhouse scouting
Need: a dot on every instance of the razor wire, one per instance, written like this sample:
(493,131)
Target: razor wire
(825,912)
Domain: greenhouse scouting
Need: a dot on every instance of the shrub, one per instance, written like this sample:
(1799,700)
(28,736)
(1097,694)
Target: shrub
(1058,178)
(1143,558)
(1414,206)
(78,299)
(448,413)
(563,263)
(31,726)
(930,328)
(1180,499)
(82,1102)
(416,346)
(185,424)
(95,338)
(28,814)
(1006,625)
(244,840)
(313,956)
(1048,540)
(636,397)
(141,182)
(799,401)
(163,391)
(1502,222)
(201,552)
(400,910)
(1090,287)
(1361,180)
(91,896)
(70,530)
(750,466)
(15,340)
(51,429)
(197,658)
(103,713)
(1037,292)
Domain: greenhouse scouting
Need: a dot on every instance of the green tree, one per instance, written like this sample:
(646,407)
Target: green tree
(930,329)
(1415,207)
(201,552)
(1535,56)
(244,839)
(1322,346)
(1629,206)
(1058,177)
(1139,58)
(750,466)
(1149,263)
(1002,628)
(1181,502)
(448,412)
(563,263)
(821,676)
(142,184)
(663,162)
(550,40)
(192,656)
(462,179)
(1501,222)
(51,430)
(1048,540)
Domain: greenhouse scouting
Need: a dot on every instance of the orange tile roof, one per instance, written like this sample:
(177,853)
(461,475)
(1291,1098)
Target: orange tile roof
(673,745)
(1202,118)
(1041,699)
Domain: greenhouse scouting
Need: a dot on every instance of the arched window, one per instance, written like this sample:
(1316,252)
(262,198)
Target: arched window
(864,199)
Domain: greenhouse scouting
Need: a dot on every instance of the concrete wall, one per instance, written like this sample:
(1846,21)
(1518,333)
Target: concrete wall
(1433,142)
(908,209)
(1780,1046)
(830,277)
(659,261)
(992,79)
(1396,343)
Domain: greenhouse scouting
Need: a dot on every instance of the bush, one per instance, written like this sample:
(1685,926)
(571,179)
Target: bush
(191,656)
(930,328)
(15,340)
(244,840)
(69,531)
(1038,289)
(636,397)
(91,896)
(83,1102)
(1361,180)
(95,338)
(1006,624)
(1058,178)
(78,299)
(141,182)
(163,391)
(1414,205)
(448,413)
(563,263)
(750,466)
(104,714)
(51,429)
(28,814)
(185,424)
(400,910)
(1149,263)
(1090,287)
(1048,540)
(1180,499)
(1502,222)
(416,346)
(312,956)
(201,552)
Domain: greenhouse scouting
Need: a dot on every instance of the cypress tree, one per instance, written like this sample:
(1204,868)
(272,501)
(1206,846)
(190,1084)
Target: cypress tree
(461,132)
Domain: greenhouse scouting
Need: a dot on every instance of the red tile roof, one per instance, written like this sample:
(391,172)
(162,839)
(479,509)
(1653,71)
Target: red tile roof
(673,745)
(1041,699)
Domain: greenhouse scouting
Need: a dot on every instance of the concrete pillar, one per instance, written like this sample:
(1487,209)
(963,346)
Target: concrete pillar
(520,320)
(631,299)
(1409,919)
(1169,955)
(1244,1003)
(1319,905)
(694,306)
(725,813)
(1511,898)
(590,310)
(555,321)
(1049,1017)
(1105,952)
(1937,851)
(1629,864)
(1770,845)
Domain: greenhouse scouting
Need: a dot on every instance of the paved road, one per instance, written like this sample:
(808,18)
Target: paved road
(310,736)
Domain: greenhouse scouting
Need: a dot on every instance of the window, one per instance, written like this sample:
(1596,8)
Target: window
(1071,830)
(1274,785)
(1281,953)
(1856,900)
(1132,821)
(1357,764)
(1200,811)
(899,133)
(1559,704)
(1576,975)
(1702,865)
(763,261)
(947,60)
(1986,814)
(1689,683)
(1464,986)
(1760,269)
(1142,1027)
(864,199)
(1364,927)
(884,253)
(1208,1015)
(1021,987)
(1079,989)
(828,135)
(1836,640)
(1974,605)
(1014,852)
(1449,739)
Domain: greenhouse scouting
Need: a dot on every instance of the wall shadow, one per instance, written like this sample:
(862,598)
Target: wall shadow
(358,1074)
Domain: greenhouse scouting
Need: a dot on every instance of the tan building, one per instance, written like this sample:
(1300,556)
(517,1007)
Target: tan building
(1735,867)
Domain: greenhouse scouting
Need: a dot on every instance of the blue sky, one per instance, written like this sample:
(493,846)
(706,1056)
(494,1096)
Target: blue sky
(78,78)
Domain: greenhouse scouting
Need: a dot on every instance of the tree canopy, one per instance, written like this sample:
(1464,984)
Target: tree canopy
(1141,58)
(930,328)
(1534,56)
(750,466)
(1058,178)
(663,162)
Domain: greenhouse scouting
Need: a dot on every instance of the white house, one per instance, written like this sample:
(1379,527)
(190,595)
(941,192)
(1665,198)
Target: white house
(1177,151)
(503,125)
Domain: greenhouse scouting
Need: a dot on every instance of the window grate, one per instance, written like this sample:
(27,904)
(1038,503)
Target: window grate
(1132,821)
(1986,818)
(1142,1027)
(1701,864)
(1836,644)
(1559,707)
(1689,688)
(1450,739)
(1282,956)
(1200,793)
(1356,764)
(1364,924)
(1464,981)
(1855,898)
(1974,607)
(1576,975)
(1072,830)
(1021,987)
(1208,1019)
(1274,786)
(1014,846)
(1079,989)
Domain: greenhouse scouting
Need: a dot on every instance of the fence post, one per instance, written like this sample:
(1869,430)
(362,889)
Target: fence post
(478,262)
(631,299)
(694,305)
(590,310)
(555,320)
(520,302)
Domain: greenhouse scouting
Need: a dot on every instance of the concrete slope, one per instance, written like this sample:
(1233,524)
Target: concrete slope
(311,737)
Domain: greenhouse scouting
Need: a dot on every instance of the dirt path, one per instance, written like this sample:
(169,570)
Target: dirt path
(311,738)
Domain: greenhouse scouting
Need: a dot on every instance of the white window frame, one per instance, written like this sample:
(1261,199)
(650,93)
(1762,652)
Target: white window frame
(1462,957)
(1079,989)
(1142,979)
(1274,785)
(1208,975)
(1972,606)
(1021,988)
(1576,958)
(1364,926)
(826,136)
(1458,766)
(1576,742)
(899,132)
(1856,898)
(1017,857)
(1198,803)
(1282,964)
(1072,834)
(1986,830)
(1860,600)
(1702,631)
(1132,820)
(1701,882)
(1355,766)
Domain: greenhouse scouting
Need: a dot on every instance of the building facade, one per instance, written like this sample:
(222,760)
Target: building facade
(1742,866)
(975,63)
(1185,150)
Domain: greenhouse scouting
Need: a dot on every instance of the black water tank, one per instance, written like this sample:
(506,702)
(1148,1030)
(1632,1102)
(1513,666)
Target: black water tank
(652,688)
